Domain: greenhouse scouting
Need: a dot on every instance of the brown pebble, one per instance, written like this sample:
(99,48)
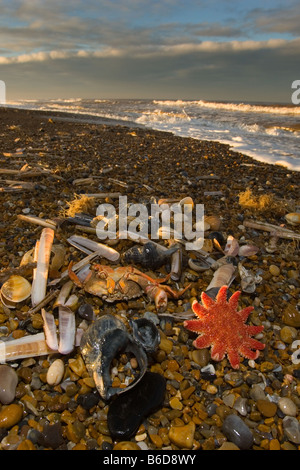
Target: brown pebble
(201,357)
(228,446)
(183,436)
(266,408)
(126,445)
(274,270)
(157,440)
(288,334)
(10,415)
(291,316)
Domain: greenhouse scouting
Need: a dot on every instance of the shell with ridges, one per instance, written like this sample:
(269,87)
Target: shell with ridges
(15,289)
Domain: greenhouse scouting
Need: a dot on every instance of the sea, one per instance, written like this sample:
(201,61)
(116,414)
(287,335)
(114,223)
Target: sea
(268,132)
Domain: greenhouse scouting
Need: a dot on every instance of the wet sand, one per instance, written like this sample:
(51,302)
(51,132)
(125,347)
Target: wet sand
(79,155)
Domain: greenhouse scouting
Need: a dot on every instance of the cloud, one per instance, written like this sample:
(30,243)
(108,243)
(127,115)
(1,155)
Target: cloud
(146,51)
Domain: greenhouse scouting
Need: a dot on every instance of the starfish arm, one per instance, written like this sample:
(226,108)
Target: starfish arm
(222,295)
(234,358)
(203,341)
(234,300)
(254,344)
(207,301)
(193,325)
(218,351)
(244,314)
(198,309)
(253,330)
(248,353)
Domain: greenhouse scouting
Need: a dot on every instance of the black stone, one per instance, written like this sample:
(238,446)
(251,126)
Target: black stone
(88,400)
(127,411)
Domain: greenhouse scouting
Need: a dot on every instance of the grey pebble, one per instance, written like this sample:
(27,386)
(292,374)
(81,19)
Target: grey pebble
(237,432)
(291,428)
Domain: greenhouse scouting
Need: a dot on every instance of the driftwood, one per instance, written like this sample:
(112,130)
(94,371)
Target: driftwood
(275,230)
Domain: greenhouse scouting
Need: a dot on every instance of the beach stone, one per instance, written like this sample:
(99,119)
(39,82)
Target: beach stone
(228,446)
(55,372)
(201,356)
(240,406)
(291,316)
(237,432)
(257,393)
(52,435)
(10,415)
(291,428)
(274,270)
(287,406)
(8,384)
(266,408)
(288,334)
(183,436)
(128,410)
(126,445)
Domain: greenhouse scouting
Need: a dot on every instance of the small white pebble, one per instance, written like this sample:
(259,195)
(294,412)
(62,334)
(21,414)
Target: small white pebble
(55,372)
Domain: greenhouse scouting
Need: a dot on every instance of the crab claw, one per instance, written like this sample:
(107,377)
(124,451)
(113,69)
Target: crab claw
(159,296)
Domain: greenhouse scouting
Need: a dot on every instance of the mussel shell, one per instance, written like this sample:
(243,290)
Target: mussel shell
(145,333)
(16,289)
(105,338)
(218,236)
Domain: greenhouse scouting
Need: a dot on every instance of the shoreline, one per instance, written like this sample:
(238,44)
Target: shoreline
(47,161)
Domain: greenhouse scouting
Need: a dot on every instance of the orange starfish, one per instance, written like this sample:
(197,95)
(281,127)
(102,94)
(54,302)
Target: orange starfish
(223,328)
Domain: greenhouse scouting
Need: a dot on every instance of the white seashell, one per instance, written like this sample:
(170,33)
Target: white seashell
(293,218)
(248,250)
(248,279)
(22,348)
(89,246)
(55,372)
(14,290)
(67,330)
(232,246)
(40,275)
(50,329)
(223,276)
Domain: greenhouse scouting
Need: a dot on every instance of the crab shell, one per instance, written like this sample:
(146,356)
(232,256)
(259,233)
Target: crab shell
(109,283)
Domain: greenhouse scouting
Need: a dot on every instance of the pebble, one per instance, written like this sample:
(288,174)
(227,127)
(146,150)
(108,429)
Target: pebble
(183,436)
(237,432)
(266,408)
(8,383)
(274,270)
(228,446)
(291,427)
(10,415)
(126,445)
(291,316)
(288,334)
(240,406)
(55,372)
(287,406)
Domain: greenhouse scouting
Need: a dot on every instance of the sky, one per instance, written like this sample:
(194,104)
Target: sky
(166,49)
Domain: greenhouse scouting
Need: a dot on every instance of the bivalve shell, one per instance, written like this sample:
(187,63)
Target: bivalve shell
(15,290)
(55,372)
(293,218)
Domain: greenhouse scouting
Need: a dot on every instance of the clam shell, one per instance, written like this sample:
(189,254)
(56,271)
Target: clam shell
(16,289)
(293,218)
